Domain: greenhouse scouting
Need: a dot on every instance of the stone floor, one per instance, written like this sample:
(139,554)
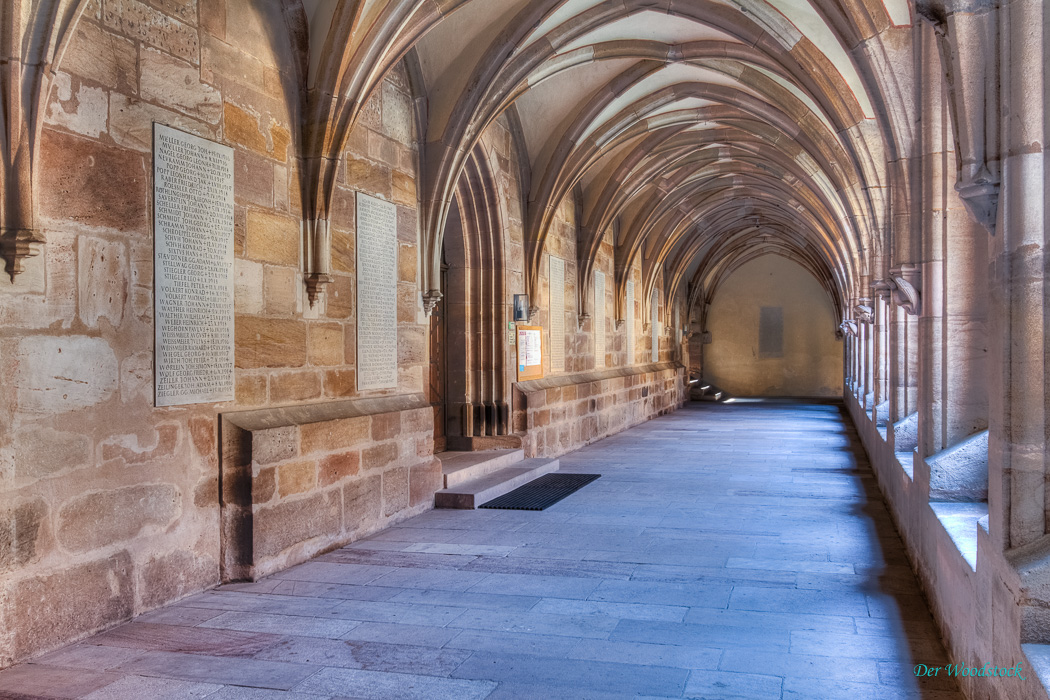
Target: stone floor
(728,551)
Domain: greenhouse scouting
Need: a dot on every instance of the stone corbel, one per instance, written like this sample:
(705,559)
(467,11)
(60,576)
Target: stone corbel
(16,245)
(865,314)
(582,319)
(620,322)
(980,195)
(534,311)
(317,258)
(33,38)
(430,302)
(968,38)
(908,280)
(849,327)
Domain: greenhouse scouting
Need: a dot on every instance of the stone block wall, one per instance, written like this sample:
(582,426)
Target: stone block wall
(297,483)
(565,413)
(110,506)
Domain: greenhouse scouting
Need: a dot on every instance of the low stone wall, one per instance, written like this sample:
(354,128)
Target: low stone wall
(299,481)
(564,413)
(975,608)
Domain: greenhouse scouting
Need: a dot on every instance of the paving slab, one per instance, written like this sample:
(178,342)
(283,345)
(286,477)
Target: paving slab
(728,551)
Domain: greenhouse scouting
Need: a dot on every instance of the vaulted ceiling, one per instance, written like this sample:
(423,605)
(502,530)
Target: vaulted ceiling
(703,133)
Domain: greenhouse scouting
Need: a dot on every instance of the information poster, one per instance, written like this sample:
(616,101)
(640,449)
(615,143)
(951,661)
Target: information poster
(530,352)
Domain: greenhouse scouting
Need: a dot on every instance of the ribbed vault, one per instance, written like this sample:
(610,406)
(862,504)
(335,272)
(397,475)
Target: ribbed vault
(703,132)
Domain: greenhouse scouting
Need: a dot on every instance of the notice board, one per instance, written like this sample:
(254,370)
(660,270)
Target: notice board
(530,353)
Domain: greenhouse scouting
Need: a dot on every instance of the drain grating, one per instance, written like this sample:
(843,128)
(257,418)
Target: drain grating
(541,493)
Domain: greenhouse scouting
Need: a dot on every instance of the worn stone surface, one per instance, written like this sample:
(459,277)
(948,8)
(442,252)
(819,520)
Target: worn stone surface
(62,374)
(728,567)
(44,611)
(889,158)
(297,521)
(92,520)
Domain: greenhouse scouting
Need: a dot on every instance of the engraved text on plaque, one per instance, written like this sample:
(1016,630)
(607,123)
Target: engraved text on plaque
(193,268)
(376,293)
(557,311)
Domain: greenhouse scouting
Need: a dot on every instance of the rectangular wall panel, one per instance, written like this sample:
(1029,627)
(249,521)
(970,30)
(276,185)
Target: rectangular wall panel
(771,331)
(629,323)
(193,263)
(654,326)
(599,319)
(376,293)
(557,314)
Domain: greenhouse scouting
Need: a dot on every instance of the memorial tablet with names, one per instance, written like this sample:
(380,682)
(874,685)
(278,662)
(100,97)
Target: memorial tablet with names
(557,314)
(193,268)
(376,293)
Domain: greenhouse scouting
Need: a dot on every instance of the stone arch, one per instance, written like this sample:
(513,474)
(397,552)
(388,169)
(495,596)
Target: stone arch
(477,393)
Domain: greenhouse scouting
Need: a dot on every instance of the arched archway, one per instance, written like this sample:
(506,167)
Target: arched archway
(476,388)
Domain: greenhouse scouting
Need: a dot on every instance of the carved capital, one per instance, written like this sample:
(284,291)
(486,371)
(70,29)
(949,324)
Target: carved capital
(884,288)
(430,302)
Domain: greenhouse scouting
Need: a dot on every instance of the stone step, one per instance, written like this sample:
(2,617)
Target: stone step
(472,494)
(460,467)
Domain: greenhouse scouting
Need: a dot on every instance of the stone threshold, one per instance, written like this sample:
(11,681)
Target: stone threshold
(595,376)
(269,418)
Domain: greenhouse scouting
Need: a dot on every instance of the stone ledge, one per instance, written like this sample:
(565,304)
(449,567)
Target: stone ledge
(960,521)
(300,480)
(594,376)
(960,473)
(1039,662)
(269,418)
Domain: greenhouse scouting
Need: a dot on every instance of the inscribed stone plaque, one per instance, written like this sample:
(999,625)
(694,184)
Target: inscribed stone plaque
(630,323)
(654,325)
(599,319)
(771,331)
(193,268)
(376,293)
(557,312)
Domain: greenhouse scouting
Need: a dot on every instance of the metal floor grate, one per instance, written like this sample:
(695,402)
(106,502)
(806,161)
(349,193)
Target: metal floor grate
(541,493)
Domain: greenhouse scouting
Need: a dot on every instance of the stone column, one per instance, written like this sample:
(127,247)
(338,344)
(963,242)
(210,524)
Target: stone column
(1017,412)
(936,176)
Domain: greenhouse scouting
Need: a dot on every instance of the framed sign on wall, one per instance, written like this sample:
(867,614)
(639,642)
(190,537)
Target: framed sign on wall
(530,353)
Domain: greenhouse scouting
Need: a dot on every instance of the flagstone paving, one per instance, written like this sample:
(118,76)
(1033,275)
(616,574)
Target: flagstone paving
(728,551)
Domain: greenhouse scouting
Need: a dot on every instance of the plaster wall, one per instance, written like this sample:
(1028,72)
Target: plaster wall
(811,361)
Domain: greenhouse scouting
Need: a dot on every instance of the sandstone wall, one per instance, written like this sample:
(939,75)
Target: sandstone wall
(565,413)
(111,506)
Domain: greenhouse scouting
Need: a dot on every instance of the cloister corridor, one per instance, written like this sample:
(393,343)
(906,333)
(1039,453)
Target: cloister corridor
(735,550)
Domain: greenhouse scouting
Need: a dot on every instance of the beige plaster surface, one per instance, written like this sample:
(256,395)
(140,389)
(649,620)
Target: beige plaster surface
(812,358)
